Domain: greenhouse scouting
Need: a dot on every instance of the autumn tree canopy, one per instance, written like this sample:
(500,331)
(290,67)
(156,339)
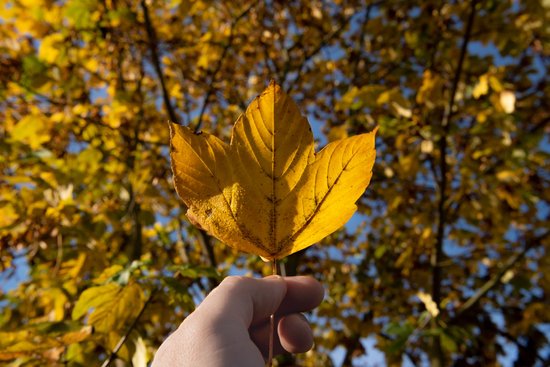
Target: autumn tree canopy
(446,261)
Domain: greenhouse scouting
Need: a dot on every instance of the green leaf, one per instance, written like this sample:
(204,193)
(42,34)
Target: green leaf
(80,13)
(448,343)
(400,334)
(380,251)
(95,297)
(34,72)
(193,272)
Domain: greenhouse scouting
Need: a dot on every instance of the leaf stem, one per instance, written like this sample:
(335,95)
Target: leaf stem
(271,323)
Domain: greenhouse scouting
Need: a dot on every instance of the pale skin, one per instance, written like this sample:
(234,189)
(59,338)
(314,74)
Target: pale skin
(231,326)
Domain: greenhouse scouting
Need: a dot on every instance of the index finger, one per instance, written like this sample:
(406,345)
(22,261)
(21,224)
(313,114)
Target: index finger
(303,293)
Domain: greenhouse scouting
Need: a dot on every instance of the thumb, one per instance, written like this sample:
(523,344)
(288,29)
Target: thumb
(246,300)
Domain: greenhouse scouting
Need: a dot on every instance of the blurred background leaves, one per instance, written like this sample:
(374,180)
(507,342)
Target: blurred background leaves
(446,262)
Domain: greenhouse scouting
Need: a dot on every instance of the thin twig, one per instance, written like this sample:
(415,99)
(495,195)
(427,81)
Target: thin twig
(113,354)
(360,42)
(495,279)
(211,77)
(322,44)
(152,42)
(308,56)
(37,94)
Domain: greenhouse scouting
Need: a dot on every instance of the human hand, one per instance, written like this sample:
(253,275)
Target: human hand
(231,326)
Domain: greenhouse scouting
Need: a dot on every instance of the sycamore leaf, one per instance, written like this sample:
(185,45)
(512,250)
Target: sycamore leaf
(267,192)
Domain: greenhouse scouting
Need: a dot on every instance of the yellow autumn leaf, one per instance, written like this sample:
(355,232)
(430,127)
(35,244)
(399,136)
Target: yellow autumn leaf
(39,338)
(268,192)
(482,87)
(112,305)
(495,84)
(50,47)
(507,176)
(430,92)
(337,133)
(9,214)
(31,130)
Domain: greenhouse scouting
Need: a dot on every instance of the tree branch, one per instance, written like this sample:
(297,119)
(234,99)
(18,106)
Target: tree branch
(441,222)
(526,349)
(322,44)
(211,77)
(360,42)
(152,42)
(437,253)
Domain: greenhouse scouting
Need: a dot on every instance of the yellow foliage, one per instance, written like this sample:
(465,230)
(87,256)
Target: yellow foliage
(481,88)
(512,200)
(31,130)
(337,133)
(401,111)
(50,47)
(481,117)
(495,83)
(507,176)
(118,112)
(430,92)
(9,215)
(29,343)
